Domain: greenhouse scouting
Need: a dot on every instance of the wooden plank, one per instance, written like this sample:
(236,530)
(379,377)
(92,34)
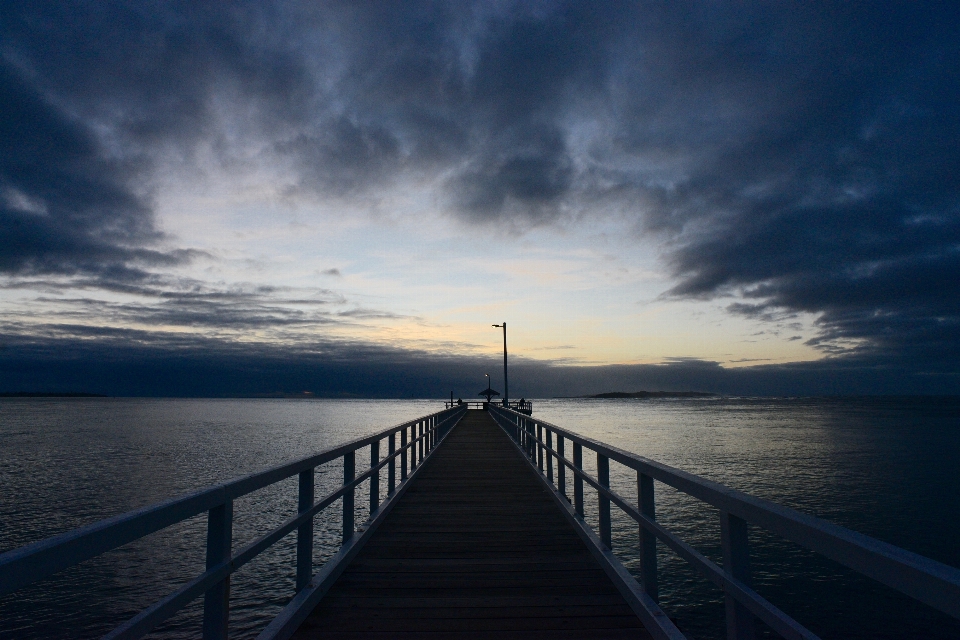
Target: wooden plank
(476,549)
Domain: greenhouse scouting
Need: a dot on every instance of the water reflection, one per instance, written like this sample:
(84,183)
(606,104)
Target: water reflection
(884,467)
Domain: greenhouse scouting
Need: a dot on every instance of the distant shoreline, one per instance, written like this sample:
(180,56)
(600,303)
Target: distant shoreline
(652,394)
(43,394)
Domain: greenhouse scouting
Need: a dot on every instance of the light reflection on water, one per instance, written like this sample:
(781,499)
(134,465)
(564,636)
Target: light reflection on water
(884,467)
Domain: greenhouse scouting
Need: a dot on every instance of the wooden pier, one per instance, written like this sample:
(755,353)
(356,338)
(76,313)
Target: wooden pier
(476,549)
(476,528)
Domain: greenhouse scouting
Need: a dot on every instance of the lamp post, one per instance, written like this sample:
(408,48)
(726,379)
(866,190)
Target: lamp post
(506,386)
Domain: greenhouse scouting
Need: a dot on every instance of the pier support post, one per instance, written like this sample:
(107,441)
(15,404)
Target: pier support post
(375,477)
(603,502)
(577,478)
(403,454)
(561,468)
(305,531)
(531,441)
(736,561)
(648,541)
(349,473)
(216,601)
(549,435)
(539,447)
(392,464)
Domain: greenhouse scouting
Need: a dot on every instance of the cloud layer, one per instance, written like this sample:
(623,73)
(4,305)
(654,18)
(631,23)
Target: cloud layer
(798,158)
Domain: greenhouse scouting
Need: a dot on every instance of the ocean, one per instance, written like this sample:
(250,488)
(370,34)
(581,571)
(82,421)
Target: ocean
(886,467)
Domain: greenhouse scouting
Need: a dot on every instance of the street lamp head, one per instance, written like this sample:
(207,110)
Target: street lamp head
(496,325)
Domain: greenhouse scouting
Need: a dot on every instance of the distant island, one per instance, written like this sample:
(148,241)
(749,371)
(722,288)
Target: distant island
(653,394)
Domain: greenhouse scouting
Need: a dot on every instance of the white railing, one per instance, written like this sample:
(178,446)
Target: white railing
(931,582)
(418,438)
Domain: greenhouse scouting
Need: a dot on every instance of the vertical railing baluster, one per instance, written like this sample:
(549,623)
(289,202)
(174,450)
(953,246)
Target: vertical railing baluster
(736,562)
(392,464)
(540,447)
(305,530)
(528,430)
(603,502)
(578,478)
(549,455)
(403,454)
(531,441)
(525,429)
(374,477)
(561,467)
(423,427)
(648,541)
(349,473)
(413,446)
(216,601)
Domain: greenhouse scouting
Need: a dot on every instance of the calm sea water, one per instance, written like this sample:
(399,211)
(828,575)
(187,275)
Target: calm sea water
(889,468)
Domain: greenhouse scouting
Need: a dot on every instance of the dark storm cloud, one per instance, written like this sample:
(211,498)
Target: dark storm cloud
(800,157)
(65,207)
(91,97)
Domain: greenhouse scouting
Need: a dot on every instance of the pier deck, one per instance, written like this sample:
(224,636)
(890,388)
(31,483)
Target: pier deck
(475,549)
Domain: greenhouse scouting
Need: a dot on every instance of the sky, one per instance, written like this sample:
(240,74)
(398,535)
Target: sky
(216,199)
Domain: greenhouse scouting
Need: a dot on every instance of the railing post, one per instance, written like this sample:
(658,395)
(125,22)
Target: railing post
(413,446)
(522,426)
(305,531)
(549,455)
(403,454)
(603,477)
(532,435)
(540,447)
(374,477)
(736,562)
(392,464)
(349,473)
(216,601)
(531,442)
(648,541)
(577,478)
(422,429)
(561,467)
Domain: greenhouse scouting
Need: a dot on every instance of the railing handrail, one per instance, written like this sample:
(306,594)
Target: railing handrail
(38,560)
(929,581)
(526,405)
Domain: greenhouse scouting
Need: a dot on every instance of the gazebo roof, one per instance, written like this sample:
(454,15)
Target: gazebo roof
(488,391)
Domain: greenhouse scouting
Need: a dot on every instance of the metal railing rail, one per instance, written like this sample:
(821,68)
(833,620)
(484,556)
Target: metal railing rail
(931,582)
(523,407)
(418,438)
